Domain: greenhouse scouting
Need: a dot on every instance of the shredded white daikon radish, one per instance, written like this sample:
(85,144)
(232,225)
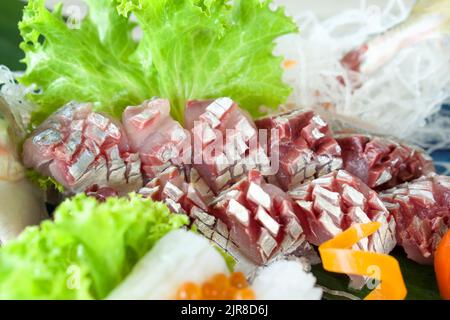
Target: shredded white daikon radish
(401,99)
(15,107)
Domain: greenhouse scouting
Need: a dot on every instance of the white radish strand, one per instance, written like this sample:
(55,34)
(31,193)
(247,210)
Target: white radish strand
(181,256)
(399,98)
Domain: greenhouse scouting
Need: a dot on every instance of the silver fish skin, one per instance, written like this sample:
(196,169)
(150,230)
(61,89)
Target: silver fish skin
(83,150)
(302,142)
(421,209)
(428,19)
(381,162)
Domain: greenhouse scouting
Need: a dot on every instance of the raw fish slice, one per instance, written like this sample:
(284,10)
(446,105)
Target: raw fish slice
(159,140)
(101,194)
(421,209)
(382,163)
(255,220)
(303,145)
(225,142)
(183,193)
(334,202)
(81,149)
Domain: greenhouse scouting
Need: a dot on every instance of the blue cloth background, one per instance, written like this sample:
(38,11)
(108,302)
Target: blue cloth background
(442,157)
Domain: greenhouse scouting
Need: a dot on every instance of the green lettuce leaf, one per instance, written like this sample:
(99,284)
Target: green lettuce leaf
(82,61)
(87,251)
(45,183)
(190,49)
(207,49)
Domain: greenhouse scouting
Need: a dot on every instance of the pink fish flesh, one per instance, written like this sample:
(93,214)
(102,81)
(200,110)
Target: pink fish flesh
(81,149)
(183,192)
(382,163)
(421,209)
(156,137)
(332,203)
(225,142)
(90,152)
(256,218)
(303,144)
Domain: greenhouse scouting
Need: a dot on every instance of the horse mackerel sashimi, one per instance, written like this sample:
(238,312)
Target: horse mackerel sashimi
(255,219)
(382,163)
(225,141)
(303,144)
(82,149)
(332,203)
(250,217)
(421,209)
(159,140)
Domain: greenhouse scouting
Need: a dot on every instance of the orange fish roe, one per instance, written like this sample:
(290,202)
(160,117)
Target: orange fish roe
(238,280)
(219,287)
(244,294)
(189,291)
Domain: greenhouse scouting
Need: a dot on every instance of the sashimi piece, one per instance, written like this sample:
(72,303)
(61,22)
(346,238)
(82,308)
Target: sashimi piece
(225,142)
(194,109)
(254,219)
(421,209)
(81,149)
(101,194)
(156,137)
(382,163)
(303,145)
(332,203)
(183,191)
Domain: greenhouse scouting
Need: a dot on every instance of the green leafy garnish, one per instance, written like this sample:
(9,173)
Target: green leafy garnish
(190,49)
(88,62)
(229,260)
(87,251)
(43,182)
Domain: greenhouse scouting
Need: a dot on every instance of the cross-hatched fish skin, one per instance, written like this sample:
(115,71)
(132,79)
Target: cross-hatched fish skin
(303,144)
(159,140)
(183,191)
(421,209)
(255,219)
(225,142)
(81,149)
(332,203)
(382,163)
